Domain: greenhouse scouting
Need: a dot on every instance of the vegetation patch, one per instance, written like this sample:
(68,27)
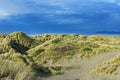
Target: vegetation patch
(109,66)
(22,57)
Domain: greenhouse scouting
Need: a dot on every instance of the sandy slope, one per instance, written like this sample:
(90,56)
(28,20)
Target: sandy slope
(85,68)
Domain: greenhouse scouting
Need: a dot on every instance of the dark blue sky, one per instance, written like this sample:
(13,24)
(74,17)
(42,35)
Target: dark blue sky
(59,16)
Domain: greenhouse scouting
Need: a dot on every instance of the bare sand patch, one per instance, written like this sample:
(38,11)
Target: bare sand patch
(84,72)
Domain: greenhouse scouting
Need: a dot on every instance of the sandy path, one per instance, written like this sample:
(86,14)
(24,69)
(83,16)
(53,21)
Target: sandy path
(84,72)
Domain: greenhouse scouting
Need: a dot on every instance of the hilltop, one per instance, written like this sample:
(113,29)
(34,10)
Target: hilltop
(43,55)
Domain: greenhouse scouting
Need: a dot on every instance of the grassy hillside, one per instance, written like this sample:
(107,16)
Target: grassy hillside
(65,46)
(22,57)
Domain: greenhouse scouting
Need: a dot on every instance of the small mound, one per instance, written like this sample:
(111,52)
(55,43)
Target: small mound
(15,42)
(22,39)
(65,48)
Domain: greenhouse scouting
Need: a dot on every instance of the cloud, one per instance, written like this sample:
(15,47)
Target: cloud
(60,23)
(48,6)
(53,15)
(15,7)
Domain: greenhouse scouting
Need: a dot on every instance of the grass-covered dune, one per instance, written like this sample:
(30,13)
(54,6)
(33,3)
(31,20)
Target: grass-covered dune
(22,57)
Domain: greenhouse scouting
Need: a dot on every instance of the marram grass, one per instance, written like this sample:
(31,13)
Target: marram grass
(22,57)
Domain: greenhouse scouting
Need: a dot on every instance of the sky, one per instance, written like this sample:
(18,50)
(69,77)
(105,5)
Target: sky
(59,16)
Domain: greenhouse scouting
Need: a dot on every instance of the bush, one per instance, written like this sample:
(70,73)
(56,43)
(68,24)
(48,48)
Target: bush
(87,49)
(56,70)
(55,41)
(37,52)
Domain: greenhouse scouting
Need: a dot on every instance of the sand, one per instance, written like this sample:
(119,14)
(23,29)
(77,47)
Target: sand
(84,72)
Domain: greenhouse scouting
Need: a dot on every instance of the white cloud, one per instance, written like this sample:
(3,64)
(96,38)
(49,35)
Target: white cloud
(3,15)
(8,7)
